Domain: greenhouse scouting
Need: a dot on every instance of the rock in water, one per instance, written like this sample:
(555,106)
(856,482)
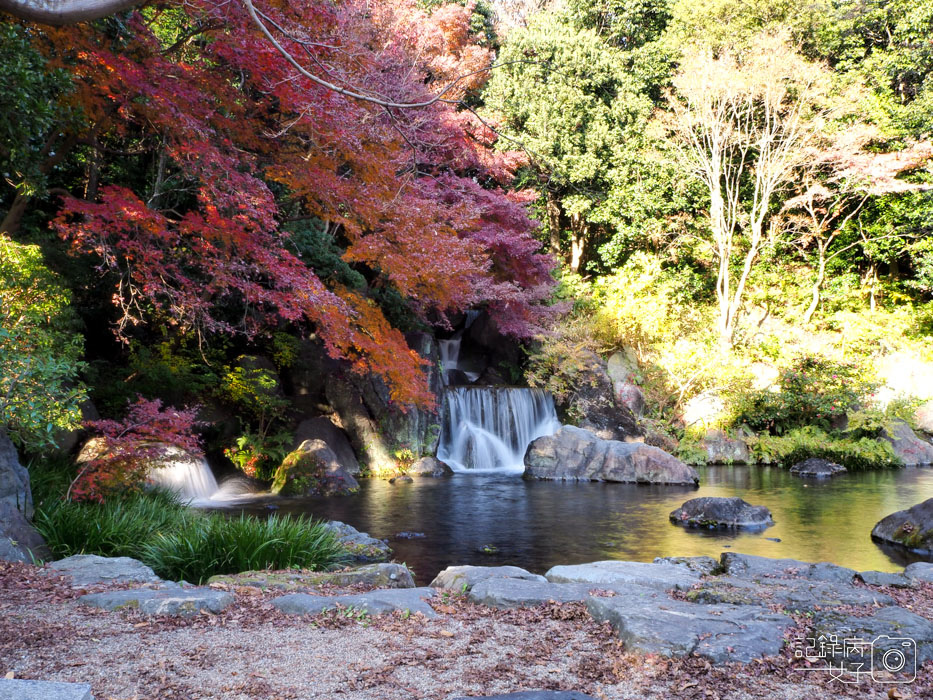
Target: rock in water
(817,468)
(576,454)
(911,528)
(721,513)
(429,466)
(313,469)
(323,428)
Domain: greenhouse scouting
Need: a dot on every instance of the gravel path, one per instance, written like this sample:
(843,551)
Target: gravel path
(252,651)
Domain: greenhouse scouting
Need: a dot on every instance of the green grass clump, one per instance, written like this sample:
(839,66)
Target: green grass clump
(214,544)
(183,544)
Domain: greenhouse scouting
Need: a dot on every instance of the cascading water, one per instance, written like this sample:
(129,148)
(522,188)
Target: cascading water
(489,428)
(191,478)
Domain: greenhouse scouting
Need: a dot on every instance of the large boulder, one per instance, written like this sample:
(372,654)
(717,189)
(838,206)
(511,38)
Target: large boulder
(14,479)
(313,469)
(911,528)
(576,454)
(721,513)
(428,466)
(323,428)
(722,449)
(910,449)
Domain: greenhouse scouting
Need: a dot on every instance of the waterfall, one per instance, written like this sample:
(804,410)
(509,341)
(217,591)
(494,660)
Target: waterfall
(191,478)
(489,428)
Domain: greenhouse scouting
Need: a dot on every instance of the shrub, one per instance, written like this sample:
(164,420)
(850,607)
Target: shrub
(855,454)
(813,391)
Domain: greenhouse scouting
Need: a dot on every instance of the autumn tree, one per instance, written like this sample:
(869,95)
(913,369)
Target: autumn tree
(224,141)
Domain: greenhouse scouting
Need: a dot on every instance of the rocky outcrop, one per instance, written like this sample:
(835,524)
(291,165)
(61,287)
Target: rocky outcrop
(576,454)
(911,528)
(910,449)
(19,540)
(594,400)
(428,466)
(816,468)
(14,479)
(721,513)
(313,469)
(722,449)
(323,428)
(622,368)
(924,418)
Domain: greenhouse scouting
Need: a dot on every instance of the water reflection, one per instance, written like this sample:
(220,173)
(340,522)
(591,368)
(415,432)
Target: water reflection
(537,525)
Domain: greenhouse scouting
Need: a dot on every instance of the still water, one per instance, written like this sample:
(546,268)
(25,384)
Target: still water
(540,524)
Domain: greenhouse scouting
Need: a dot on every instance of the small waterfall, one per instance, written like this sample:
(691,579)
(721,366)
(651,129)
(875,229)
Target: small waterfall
(191,478)
(489,428)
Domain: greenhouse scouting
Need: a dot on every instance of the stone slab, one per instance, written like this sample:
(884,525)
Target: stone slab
(90,569)
(660,576)
(178,602)
(520,593)
(16,689)
(755,567)
(701,565)
(884,578)
(721,633)
(535,695)
(463,578)
(373,603)
(792,594)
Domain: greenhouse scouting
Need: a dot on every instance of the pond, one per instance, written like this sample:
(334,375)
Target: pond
(494,519)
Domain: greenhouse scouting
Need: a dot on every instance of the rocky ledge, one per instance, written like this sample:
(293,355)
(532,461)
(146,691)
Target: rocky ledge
(577,454)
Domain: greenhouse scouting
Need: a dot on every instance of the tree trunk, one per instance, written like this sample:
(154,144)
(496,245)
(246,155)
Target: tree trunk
(14,217)
(553,221)
(817,286)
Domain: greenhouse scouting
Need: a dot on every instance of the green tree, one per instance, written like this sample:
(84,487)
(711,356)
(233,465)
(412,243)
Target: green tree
(40,350)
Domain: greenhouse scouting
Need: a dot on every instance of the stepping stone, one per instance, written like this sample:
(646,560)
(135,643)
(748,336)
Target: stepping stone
(663,577)
(90,569)
(535,695)
(373,603)
(920,571)
(883,578)
(721,633)
(178,602)
(15,689)
(463,578)
(521,593)
(378,575)
(792,594)
(753,567)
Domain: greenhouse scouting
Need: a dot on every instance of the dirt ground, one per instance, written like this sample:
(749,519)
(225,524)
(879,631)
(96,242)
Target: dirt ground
(251,651)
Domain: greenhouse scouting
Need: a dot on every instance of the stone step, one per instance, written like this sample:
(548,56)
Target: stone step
(174,601)
(15,689)
(413,600)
